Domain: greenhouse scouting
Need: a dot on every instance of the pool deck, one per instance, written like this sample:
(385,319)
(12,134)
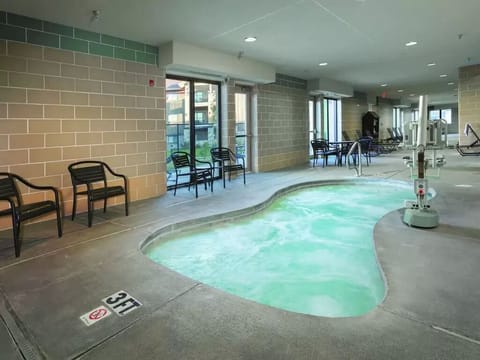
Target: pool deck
(431,311)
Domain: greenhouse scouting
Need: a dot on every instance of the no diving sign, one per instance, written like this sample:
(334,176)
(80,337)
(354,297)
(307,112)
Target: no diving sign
(95,315)
(120,302)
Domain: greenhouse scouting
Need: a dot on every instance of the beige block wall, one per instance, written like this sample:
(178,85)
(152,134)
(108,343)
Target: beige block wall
(282,126)
(352,111)
(384,109)
(58,107)
(468,101)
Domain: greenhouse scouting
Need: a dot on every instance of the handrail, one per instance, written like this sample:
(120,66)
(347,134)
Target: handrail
(358,169)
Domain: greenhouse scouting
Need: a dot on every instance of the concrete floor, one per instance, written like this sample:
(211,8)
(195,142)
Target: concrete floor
(431,311)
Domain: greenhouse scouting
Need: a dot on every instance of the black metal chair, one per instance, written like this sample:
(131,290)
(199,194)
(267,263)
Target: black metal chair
(228,162)
(322,148)
(185,166)
(19,211)
(366,148)
(90,175)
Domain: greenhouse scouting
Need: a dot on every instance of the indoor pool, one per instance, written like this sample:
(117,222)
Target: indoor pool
(310,251)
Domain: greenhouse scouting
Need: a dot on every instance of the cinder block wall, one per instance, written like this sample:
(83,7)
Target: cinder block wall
(282,123)
(468,101)
(58,106)
(352,111)
(384,110)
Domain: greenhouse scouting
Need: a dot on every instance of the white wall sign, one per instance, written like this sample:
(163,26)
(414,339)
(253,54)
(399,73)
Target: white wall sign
(95,315)
(121,303)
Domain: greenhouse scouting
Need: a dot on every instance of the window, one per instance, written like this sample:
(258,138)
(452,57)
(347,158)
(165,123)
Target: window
(445,114)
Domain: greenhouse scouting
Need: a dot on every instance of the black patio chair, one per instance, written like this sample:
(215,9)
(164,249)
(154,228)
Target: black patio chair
(228,162)
(321,148)
(19,211)
(185,166)
(91,176)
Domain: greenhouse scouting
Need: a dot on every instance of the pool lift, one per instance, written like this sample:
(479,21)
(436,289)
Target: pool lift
(419,213)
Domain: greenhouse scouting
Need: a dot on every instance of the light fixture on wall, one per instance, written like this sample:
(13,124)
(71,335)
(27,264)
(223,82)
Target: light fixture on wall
(95,15)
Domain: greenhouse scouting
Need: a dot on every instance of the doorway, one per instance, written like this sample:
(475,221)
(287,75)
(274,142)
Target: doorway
(192,118)
(243,124)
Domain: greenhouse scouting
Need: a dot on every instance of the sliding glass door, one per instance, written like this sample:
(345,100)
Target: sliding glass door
(192,116)
(332,119)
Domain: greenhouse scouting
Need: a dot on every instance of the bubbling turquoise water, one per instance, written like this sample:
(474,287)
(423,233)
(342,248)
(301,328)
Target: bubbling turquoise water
(311,251)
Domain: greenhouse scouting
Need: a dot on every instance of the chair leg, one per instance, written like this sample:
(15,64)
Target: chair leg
(126,203)
(16,235)
(105,205)
(244,179)
(90,212)
(176,183)
(74,208)
(223,177)
(59,222)
(196,186)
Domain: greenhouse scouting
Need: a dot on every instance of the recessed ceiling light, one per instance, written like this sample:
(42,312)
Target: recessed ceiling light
(250,39)
(451,83)
(411,43)
(431,64)
(400,90)
(443,75)
(384,85)
(323,64)
(412,94)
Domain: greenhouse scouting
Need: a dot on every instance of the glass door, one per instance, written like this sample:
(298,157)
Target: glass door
(205,132)
(313,121)
(192,118)
(332,119)
(243,124)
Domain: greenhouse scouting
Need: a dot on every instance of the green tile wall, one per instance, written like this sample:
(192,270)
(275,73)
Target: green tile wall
(86,35)
(15,33)
(112,40)
(25,29)
(125,54)
(24,21)
(99,49)
(42,38)
(57,29)
(68,43)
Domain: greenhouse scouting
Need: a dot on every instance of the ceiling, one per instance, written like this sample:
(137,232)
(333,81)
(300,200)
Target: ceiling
(363,41)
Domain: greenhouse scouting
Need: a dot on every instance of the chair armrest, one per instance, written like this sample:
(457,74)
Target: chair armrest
(204,162)
(37,187)
(110,170)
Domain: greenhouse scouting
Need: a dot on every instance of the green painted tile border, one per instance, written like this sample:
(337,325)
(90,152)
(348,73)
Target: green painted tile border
(34,31)
(134,45)
(58,29)
(42,38)
(112,40)
(86,35)
(145,58)
(68,43)
(100,49)
(124,54)
(24,21)
(14,33)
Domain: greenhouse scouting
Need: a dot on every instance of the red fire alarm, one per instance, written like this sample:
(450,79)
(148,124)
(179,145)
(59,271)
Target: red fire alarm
(151,82)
